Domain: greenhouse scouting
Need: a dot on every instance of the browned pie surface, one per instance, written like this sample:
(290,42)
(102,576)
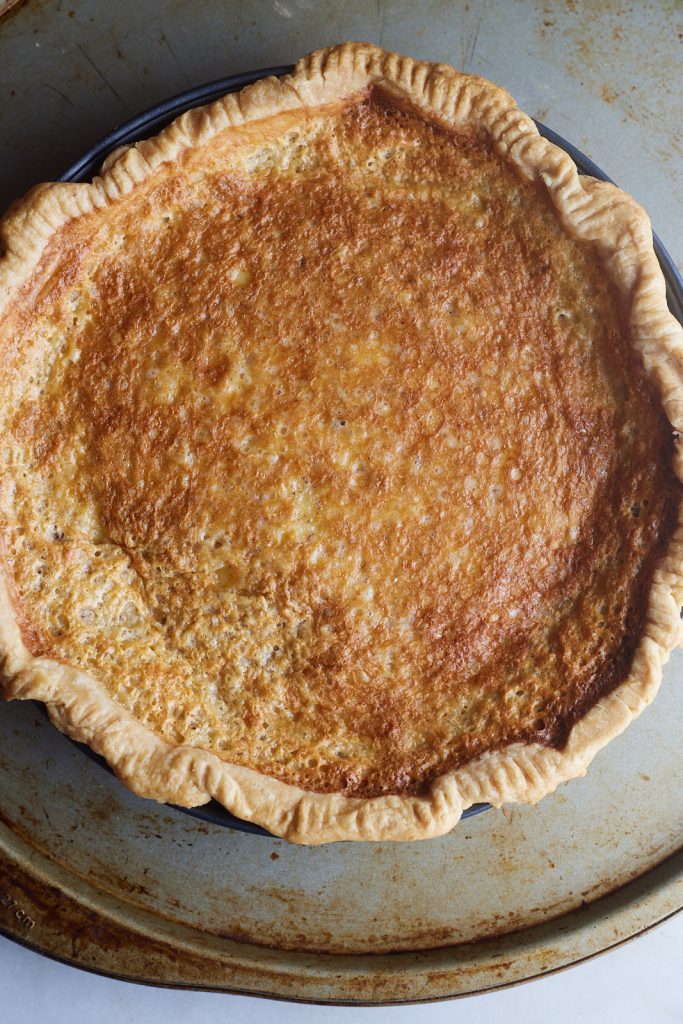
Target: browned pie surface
(330,455)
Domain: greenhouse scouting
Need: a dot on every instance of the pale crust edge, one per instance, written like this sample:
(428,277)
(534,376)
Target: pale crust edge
(591,210)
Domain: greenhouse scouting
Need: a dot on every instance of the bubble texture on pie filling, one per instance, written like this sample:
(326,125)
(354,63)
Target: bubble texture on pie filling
(330,455)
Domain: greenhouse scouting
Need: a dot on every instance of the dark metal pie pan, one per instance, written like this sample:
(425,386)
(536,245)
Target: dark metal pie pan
(156,118)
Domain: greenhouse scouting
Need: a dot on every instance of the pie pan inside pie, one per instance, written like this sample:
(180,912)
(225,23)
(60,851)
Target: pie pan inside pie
(339,462)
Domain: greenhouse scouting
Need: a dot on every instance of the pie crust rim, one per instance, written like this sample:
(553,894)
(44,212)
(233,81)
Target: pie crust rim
(591,210)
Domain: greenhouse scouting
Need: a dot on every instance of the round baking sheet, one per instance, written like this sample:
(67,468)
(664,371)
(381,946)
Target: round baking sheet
(91,874)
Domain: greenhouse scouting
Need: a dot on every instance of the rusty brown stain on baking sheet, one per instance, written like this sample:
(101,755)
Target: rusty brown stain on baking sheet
(67,930)
(127,874)
(7,6)
(297,924)
(86,937)
(597,40)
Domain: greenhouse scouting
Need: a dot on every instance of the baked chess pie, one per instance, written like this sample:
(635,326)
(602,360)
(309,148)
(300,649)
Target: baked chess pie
(339,467)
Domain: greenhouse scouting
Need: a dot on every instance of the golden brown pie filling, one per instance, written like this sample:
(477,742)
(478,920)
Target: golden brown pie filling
(343,470)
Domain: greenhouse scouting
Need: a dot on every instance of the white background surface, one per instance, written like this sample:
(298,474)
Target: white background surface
(639,983)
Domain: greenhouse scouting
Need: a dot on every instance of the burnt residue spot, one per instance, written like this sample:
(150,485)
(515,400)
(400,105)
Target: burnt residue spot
(274,856)
(12,9)
(596,49)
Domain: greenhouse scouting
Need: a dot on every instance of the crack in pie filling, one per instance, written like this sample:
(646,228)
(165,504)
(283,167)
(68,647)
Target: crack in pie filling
(339,467)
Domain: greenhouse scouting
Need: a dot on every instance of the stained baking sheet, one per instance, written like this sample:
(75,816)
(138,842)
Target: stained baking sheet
(93,874)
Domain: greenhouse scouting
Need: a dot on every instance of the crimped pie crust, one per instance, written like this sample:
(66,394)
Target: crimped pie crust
(590,211)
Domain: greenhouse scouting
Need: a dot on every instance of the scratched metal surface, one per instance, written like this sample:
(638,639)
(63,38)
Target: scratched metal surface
(90,873)
(606,75)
